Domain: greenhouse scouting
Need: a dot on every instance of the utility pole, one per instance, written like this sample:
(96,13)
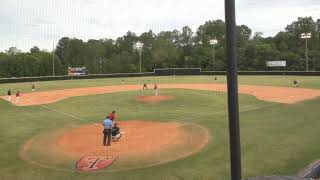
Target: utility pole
(306,36)
(53,60)
(213,42)
(139,46)
(100,65)
(140,60)
(232,81)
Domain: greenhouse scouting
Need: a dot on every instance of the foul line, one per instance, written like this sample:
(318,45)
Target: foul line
(61,112)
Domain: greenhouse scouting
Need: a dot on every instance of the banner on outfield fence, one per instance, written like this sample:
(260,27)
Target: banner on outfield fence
(276,63)
(76,71)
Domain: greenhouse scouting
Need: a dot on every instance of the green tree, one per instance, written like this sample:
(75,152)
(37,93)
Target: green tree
(13,51)
(34,50)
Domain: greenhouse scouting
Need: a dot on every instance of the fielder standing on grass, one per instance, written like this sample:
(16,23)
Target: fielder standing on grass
(107,127)
(145,86)
(295,83)
(33,87)
(156,89)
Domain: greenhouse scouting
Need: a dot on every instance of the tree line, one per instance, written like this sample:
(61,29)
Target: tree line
(171,49)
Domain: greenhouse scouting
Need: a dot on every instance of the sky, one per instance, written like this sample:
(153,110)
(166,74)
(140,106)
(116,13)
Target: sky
(28,23)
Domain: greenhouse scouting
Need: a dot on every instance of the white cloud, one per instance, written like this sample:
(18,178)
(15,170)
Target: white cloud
(42,22)
(273,16)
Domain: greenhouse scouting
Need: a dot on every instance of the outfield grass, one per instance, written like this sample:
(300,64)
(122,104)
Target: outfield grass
(275,138)
(286,81)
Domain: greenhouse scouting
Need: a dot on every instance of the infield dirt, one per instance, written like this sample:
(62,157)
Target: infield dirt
(268,93)
(143,144)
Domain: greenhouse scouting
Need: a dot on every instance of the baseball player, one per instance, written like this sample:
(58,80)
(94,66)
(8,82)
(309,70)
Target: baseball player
(145,86)
(116,135)
(17,97)
(112,115)
(9,95)
(155,89)
(295,83)
(33,87)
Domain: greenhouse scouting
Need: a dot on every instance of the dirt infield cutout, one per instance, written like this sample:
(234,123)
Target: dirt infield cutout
(154,99)
(267,93)
(144,144)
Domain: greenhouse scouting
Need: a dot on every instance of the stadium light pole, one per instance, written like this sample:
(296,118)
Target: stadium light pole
(139,45)
(318,31)
(232,86)
(213,42)
(306,36)
(58,45)
(53,60)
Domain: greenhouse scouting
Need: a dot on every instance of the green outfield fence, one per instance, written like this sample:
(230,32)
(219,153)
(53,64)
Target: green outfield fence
(157,72)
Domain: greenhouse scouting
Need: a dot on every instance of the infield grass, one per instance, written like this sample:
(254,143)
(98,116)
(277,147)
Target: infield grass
(275,138)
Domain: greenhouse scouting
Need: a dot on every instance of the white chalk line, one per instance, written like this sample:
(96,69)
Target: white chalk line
(61,112)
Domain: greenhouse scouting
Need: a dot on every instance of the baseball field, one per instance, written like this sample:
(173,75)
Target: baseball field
(180,134)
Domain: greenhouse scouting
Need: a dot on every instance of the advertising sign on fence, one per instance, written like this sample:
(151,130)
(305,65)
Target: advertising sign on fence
(76,71)
(276,63)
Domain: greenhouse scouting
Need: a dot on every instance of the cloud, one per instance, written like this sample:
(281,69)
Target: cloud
(273,16)
(42,22)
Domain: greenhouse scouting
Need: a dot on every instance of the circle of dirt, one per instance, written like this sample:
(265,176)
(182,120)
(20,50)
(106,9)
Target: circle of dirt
(143,144)
(154,99)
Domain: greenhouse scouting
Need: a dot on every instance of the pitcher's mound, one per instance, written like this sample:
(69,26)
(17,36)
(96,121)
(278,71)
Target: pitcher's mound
(143,144)
(154,99)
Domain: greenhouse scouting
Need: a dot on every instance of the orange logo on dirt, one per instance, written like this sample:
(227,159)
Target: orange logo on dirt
(93,163)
